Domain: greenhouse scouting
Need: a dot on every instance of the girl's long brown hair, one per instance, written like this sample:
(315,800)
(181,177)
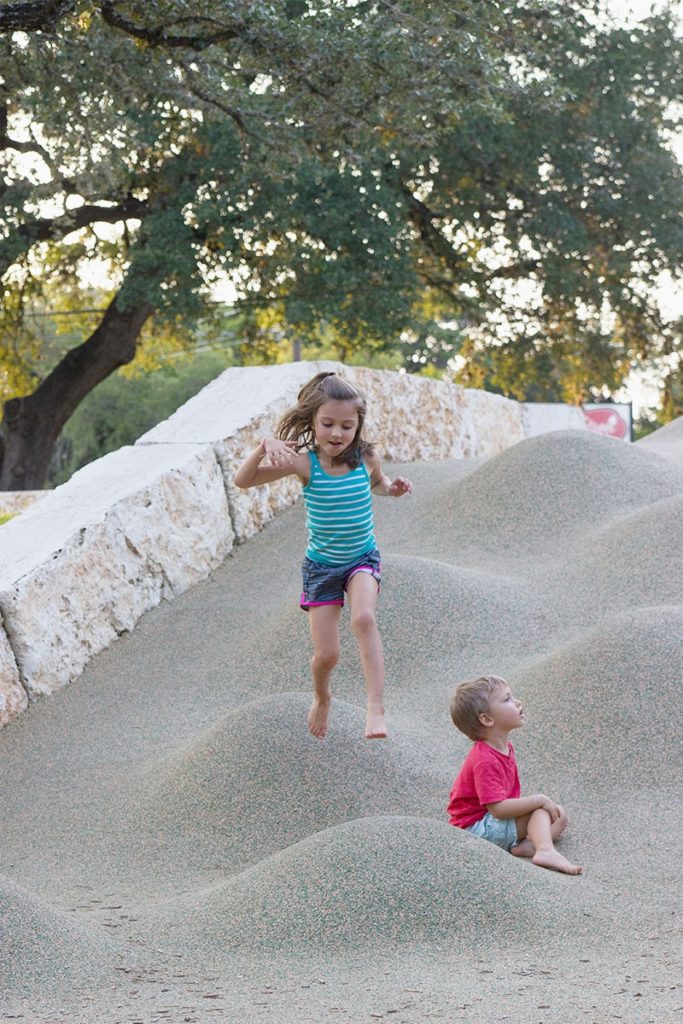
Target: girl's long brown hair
(297,423)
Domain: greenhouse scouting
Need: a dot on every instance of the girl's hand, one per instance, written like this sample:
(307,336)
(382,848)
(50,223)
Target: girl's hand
(400,486)
(278,453)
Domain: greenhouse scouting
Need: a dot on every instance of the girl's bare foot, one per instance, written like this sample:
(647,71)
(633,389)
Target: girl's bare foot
(375,728)
(554,861)
(525,848)
(318,717)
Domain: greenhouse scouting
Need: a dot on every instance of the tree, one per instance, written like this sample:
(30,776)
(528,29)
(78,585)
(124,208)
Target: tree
(123,407)
(224,136)
(364,169)
(572,189)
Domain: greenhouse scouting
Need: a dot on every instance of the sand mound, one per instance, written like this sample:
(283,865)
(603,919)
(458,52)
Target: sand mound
(605,707)
(258,782)
(178,780)
(667,441)
(447,606)
(634,560)
(429,609)
(545,491)
(42,948)
(398,880)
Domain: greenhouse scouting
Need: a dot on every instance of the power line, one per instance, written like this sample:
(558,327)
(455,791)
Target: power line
(64,312)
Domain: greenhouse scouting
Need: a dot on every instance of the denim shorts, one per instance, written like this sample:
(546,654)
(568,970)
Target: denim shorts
(501,831)
(326,584)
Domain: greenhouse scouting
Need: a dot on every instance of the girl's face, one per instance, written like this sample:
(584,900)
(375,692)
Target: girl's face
(335,425)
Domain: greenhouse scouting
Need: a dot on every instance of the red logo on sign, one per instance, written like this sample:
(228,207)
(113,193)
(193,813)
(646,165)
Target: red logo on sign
(606,421)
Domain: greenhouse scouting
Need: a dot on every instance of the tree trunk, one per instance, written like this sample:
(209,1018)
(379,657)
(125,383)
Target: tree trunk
(32,424)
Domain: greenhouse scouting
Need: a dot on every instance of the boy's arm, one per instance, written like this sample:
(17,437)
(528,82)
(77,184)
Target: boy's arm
(380,482)
(519,806)
(283,461)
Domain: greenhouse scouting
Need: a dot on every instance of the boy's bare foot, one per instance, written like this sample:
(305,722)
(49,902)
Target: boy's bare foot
(375,727)
(318,717)
(554,861)
(525,848)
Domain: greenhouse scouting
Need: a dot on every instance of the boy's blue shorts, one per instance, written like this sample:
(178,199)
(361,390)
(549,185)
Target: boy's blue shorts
(326,584)
(501,831)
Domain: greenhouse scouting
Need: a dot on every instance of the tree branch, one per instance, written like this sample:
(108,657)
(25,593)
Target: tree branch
(43,16)
(161,36)
(238,116)
(31,423)
(36,16)
(54,228)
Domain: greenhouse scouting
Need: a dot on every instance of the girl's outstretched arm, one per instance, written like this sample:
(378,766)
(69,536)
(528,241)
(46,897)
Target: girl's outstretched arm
(380,482)
(272,460)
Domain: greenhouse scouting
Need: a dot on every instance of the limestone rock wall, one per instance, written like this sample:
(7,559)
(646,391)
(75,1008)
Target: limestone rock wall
(13,698)
(409,418)
(84,564)
(13,502)
(144,523)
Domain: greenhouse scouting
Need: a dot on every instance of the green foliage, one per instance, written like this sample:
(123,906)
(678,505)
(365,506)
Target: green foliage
(124,407)
(62,318)
(646,424)
(486,180)
(672,392)
(558,191)
(572,363)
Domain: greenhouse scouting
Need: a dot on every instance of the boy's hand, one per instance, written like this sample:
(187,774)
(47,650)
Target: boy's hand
(550,806)
(399,486)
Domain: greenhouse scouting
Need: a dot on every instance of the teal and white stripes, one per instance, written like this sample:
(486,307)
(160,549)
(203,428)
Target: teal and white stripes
(338,514)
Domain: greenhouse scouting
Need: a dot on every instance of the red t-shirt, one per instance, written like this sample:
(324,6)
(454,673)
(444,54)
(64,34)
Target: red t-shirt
(486,777)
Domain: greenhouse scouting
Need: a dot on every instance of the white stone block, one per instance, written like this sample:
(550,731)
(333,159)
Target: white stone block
(411,418)
(545,417)
(13,698)
(14,502)
(83,565)
(492,423)
(234,400)
(233,413)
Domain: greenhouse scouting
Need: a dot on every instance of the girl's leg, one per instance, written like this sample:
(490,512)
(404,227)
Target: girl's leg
(362,590)
(541,835)
(324,623)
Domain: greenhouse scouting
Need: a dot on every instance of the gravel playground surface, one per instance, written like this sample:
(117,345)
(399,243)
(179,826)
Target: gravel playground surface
(177,848)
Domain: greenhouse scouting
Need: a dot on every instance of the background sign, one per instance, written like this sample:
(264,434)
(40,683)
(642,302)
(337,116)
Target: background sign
(614,419)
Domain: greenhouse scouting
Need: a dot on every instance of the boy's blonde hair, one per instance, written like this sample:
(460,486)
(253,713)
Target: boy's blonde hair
(470,700)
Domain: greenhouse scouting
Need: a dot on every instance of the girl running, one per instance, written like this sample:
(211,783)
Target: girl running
(320,441)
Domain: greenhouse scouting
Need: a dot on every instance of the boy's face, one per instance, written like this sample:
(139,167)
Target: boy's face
(505,711)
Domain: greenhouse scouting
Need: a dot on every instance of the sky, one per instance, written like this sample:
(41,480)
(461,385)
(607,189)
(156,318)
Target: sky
(638,8)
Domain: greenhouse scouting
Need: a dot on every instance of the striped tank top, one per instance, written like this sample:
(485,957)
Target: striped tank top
(338,514)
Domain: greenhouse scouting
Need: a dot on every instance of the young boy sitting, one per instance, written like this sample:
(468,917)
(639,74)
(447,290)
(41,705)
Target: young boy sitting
(485,798)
